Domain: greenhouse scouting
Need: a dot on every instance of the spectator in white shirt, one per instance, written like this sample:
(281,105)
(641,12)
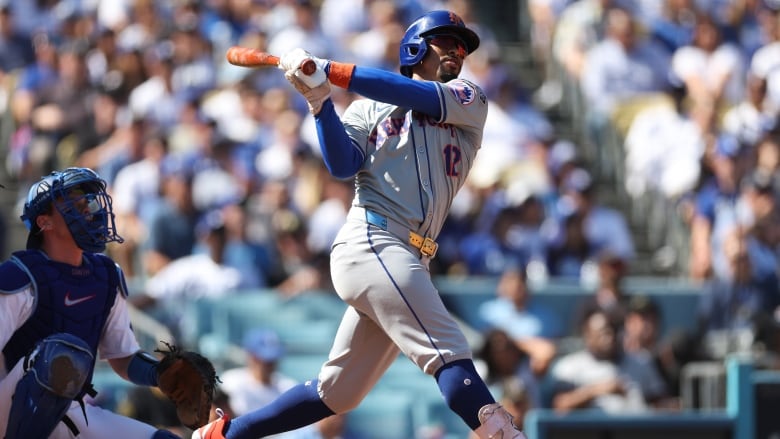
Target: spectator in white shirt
(259,381)
(621,74)
(602,376)
(711,68)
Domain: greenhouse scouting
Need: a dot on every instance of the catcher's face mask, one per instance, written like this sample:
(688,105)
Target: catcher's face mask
(79,195)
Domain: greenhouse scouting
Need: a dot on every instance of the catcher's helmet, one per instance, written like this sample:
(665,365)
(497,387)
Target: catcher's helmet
(414,46)
(81,199)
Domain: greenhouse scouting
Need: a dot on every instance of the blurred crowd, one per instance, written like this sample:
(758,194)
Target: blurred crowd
(678,103)
(218,185)
(681,98)
(215,169)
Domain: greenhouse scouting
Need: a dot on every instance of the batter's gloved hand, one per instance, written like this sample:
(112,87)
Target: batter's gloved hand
(315,96)
(292,60)
(189,380)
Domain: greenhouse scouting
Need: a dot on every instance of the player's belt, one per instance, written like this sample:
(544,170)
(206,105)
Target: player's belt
(427,246)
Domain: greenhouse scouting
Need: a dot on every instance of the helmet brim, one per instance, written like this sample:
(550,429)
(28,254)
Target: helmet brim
(467,35)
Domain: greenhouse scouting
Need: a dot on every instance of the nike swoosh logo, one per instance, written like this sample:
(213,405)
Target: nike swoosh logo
(71,302)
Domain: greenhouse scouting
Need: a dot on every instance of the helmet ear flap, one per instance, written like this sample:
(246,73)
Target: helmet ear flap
(412,52)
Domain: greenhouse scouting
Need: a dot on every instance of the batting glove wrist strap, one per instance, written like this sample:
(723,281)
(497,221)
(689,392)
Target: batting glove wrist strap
(340,74)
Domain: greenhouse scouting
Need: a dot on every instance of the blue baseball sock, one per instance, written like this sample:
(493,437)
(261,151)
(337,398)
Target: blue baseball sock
(298,407)
(464,390)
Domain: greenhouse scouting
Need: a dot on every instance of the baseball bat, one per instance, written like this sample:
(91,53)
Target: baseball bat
(249,57)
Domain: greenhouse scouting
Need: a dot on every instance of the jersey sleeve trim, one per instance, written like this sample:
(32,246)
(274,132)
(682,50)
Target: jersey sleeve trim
(442,105)
(123,290)
(21,289)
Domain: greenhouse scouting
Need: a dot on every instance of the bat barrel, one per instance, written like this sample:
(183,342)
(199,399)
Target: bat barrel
(248,57)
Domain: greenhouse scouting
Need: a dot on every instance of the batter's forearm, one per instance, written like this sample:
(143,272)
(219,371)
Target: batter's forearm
(341,158)
(391,88)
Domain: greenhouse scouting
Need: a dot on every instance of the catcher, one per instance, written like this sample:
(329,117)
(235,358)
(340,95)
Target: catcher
(61,304)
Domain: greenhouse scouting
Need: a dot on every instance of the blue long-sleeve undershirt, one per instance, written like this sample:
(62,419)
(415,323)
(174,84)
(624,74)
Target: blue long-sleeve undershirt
(341,157)
(392,88)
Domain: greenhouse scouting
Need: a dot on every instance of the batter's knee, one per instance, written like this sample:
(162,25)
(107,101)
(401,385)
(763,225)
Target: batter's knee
(340,400)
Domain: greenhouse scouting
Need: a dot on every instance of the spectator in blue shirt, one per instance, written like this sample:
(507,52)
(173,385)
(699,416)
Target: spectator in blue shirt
(532,326)
(731,309)
(621,74)
(172,224)
(715,206)
(16,50)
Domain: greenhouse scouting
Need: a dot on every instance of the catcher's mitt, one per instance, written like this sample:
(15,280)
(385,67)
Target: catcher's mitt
(189,380)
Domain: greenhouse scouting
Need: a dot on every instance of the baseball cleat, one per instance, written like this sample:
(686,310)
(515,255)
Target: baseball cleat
(214,429)
(497,424)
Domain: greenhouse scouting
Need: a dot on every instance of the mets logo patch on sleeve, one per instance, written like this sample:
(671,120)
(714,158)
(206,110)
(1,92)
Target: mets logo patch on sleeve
(465,92)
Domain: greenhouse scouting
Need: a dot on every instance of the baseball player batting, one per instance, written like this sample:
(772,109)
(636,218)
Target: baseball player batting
(409,147)
(61,304)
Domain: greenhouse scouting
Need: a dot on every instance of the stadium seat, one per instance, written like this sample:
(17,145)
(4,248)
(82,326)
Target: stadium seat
(306,337)
(111,388)
(383,414)
(436,416)
(319,305)
(675,298)
(301,367)
(216,315)
(238,321)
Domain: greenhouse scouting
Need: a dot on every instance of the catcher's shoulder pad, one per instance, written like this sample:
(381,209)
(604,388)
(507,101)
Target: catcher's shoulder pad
(14,277)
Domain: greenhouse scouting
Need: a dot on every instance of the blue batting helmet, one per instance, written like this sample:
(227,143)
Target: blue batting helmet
(81,199)
(414,46)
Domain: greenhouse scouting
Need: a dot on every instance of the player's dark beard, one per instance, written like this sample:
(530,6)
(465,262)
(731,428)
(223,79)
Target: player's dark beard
(447,74)
(447,77)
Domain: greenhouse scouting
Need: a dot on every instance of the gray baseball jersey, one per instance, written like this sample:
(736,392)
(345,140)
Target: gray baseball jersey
(414,165)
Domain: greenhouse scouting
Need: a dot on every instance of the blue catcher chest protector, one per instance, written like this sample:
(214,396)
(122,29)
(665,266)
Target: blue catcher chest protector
(57,343)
